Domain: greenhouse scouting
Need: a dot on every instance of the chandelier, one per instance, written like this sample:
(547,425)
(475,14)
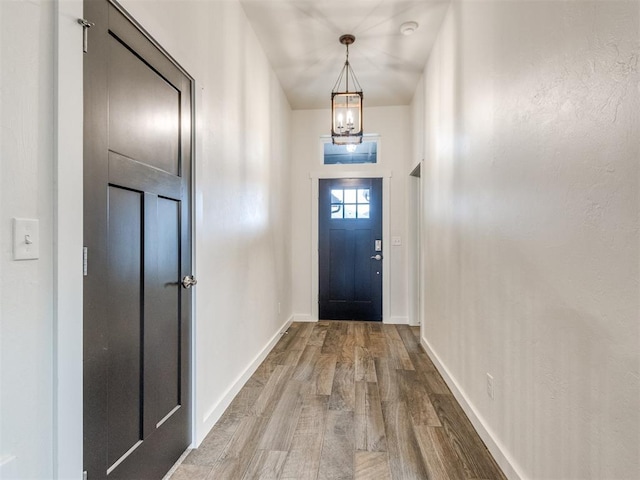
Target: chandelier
(346,103)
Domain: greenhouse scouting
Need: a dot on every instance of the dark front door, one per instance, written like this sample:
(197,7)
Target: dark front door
(350,249)
(137,212)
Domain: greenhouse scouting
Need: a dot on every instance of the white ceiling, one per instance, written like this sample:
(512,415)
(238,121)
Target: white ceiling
(300,38)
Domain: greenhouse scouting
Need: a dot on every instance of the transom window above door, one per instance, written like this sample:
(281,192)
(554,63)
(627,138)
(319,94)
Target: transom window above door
(349,203)
(366,152)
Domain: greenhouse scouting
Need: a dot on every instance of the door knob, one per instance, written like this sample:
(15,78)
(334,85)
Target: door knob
(376,257)
(188,281)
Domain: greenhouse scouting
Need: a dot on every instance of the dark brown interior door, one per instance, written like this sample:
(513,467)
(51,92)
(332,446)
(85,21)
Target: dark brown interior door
(137,212)
(350,249)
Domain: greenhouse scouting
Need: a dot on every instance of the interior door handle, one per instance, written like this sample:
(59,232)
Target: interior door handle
(376,257)
(188,281)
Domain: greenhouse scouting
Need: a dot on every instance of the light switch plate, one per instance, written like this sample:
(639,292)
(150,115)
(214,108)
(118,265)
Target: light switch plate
(396,241)
(26,239)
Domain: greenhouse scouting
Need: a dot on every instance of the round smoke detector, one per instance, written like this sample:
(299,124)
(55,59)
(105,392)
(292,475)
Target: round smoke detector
(408,28)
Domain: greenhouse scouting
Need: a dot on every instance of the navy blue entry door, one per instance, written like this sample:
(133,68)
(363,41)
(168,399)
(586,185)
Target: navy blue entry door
(350,249)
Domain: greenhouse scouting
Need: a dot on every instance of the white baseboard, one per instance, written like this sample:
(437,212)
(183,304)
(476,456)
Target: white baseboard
(303,318)
(507,464)
(397,320)
(214,414)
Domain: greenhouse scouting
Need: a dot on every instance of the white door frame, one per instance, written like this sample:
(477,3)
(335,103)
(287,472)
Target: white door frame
(67,248)
(68,242)
(315,284)
(416,280)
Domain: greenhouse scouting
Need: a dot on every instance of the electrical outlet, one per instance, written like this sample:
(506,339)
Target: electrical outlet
(490,390)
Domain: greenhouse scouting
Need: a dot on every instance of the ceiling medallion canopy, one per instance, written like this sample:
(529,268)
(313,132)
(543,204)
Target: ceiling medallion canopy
(346,103)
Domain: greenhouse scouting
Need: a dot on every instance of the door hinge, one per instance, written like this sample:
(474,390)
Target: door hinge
(85,261)
(85,475)
(86,25)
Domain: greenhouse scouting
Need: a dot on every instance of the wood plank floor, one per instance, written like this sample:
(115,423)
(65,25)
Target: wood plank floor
(341,401)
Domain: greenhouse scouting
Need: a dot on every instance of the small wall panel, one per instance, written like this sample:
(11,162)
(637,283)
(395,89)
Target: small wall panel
(124,303)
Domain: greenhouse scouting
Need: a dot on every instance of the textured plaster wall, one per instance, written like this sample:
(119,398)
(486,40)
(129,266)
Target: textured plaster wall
(243,195)
(26,287)
(531,238)
(393,126)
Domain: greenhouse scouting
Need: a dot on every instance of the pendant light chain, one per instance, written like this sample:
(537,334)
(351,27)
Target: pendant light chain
(347,65)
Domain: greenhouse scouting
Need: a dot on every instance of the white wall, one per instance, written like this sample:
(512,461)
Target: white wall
(393,126)
(26,190)
(242,204)
(532,229)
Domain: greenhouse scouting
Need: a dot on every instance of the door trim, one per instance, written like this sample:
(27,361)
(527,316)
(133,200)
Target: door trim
(315,283)
(415,254)
(68,239)
(67,247)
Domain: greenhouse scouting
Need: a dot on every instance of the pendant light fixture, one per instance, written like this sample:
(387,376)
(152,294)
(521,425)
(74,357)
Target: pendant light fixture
(346,103)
